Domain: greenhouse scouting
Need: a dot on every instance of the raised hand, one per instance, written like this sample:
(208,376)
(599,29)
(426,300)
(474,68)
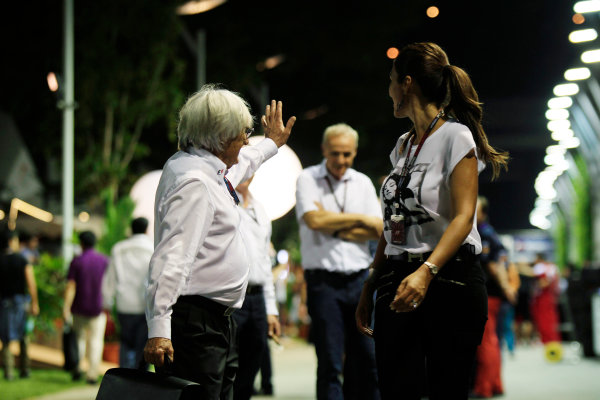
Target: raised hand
(272,123)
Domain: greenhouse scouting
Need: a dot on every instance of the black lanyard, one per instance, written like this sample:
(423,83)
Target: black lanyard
(341,207)
(410,162)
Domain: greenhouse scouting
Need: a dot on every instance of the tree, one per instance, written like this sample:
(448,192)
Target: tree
(128,88)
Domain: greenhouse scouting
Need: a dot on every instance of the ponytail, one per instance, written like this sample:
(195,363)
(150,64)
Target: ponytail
(462,102)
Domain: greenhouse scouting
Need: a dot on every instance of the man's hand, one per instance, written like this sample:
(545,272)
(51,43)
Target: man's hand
(272,123)
(156,349)
(274,327)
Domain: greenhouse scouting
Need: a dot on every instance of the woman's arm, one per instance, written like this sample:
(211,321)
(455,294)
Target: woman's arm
(32,288)
(364,310)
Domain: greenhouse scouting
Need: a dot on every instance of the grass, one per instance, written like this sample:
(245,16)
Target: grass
(41,382)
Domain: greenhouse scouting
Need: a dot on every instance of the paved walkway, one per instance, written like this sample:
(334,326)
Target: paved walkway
(527,376)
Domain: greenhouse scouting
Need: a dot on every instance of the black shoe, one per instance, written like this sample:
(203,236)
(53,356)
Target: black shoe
(90,381)
(76,375)
(24,374)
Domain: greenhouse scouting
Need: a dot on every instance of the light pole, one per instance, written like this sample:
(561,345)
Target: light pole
(68,107)
(197,45)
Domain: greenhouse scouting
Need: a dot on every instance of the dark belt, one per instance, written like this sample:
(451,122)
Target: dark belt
(208,304)
(254,289)
(465,249)
(322,273)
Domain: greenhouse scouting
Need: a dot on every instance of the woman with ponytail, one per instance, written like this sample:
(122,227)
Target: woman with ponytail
(430,298)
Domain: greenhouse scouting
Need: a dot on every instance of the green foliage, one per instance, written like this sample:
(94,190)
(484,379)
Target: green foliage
(561,241)
(582,221)
(51,282)
(116,221)
(41,382)
(129,88)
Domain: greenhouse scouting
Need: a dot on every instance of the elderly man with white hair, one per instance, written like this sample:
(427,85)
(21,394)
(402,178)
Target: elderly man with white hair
(199,271)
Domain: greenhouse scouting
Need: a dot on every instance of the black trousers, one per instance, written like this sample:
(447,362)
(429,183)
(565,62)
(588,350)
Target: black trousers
(431,349)
(252,326)
(204,340)
(341,349)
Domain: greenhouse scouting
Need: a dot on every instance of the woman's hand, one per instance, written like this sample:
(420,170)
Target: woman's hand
(365,310)
(157,349)
(411,291)
(272,123)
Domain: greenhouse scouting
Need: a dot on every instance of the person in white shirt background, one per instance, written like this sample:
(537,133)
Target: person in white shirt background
(124,283)
(199,270)
(338,212)
(258,318)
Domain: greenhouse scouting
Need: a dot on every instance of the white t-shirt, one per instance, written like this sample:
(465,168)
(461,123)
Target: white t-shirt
(425,202)
(356,194)
(256,230)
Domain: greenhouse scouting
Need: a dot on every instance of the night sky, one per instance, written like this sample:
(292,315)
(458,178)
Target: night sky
(335,70)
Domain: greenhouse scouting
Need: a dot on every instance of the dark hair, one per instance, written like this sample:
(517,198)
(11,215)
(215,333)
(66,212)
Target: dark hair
(139,225)
(451,89)
(484,204)
(87,239)
(25,237)
(5,237)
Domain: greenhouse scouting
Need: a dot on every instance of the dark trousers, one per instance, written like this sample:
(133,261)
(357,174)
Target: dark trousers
(252,330)
(204,346)
(266,371)
(134,333)
(431,349)
(332,299)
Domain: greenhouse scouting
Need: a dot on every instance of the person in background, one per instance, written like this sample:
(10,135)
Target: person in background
(488,376)
(29,247)
(338,213)
(506,316)
(258,318)
(125,284)
(83,304)
(431,303)
(199,270)
(18,296)
(544,304)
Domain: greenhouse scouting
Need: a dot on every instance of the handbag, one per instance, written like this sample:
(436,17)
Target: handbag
(70,349)
(138,384)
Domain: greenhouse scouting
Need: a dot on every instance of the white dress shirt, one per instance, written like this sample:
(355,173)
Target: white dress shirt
(127,275)
(256,230)
(356,194)
(198,246)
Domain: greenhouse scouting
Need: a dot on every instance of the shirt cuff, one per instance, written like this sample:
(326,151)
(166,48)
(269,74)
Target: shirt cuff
(159,328)
(267,147)
(271,307)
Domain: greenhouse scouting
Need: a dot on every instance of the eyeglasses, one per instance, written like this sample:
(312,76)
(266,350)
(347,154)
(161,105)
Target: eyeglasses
(249,132)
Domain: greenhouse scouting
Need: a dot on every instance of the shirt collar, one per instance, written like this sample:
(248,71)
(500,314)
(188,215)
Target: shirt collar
(322,172)
(214,162)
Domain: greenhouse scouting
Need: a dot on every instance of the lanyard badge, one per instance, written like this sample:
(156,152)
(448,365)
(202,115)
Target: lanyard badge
(398,221)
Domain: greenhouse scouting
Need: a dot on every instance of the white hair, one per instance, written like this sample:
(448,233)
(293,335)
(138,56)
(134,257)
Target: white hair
(340,129)
(211,118)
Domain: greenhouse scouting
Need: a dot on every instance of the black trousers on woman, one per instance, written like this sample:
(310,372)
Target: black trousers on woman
(432,348)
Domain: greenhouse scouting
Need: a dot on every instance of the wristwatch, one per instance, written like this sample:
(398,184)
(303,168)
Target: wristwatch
(433,269)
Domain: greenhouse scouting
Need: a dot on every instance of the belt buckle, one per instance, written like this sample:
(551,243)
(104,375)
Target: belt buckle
(414,257)
(228,311)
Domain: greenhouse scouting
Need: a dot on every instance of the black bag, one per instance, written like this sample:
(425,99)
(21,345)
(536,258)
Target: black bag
(70,349)
(137,384)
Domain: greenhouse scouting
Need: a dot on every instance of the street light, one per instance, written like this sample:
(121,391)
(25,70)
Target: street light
(198,45)
(583,35)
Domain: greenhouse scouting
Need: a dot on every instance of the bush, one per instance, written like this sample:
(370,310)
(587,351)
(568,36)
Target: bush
(51,282)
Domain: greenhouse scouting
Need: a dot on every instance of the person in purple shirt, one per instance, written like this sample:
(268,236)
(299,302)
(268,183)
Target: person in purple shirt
(83,304)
